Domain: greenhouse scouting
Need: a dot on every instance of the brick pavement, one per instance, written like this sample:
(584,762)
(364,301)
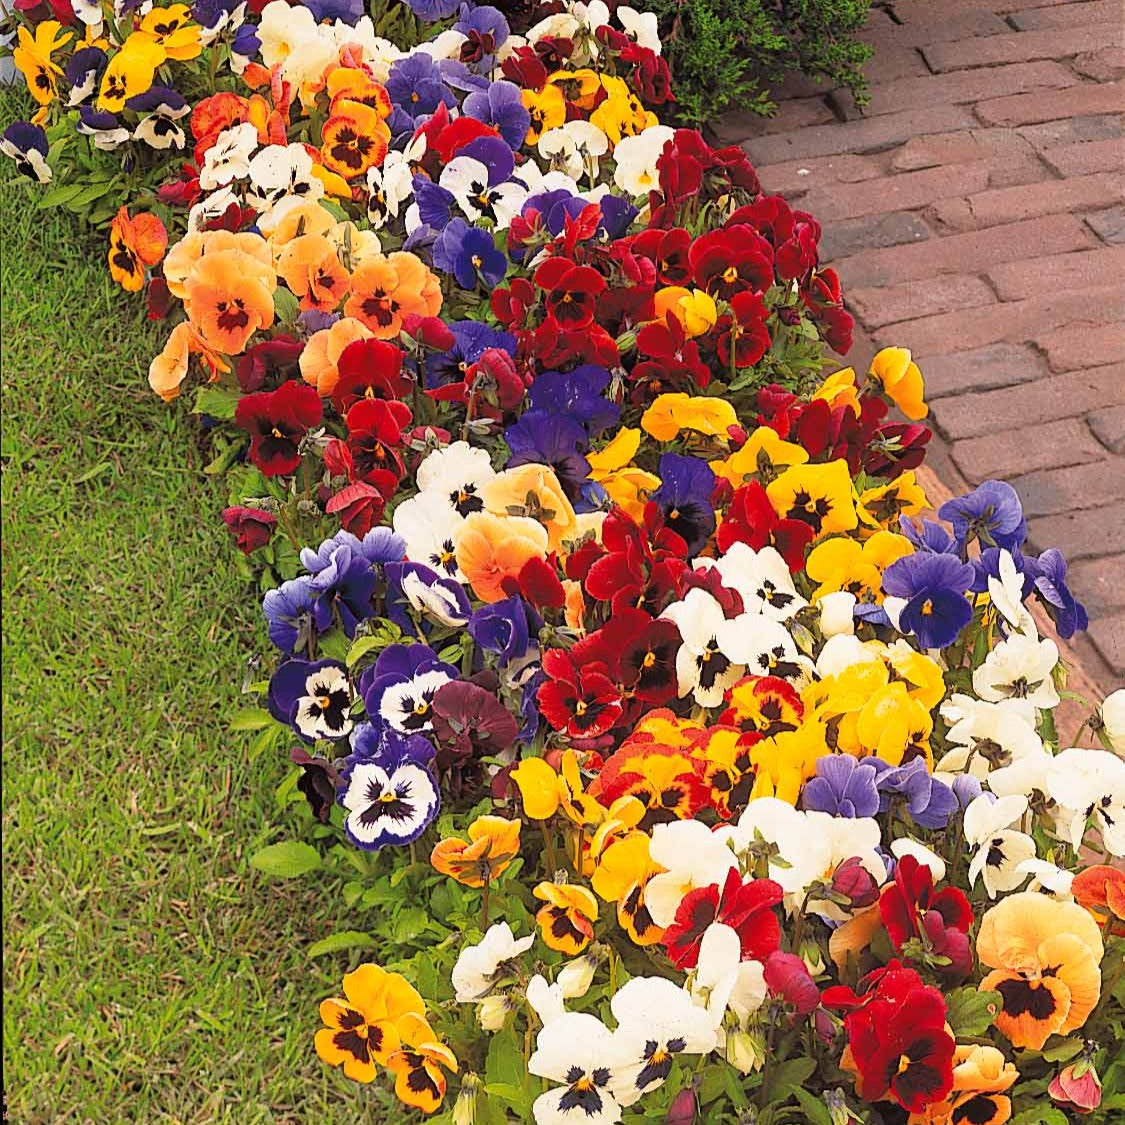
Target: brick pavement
(975,210)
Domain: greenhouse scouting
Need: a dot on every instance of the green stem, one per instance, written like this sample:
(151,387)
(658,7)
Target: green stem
(549,848)
(484,904)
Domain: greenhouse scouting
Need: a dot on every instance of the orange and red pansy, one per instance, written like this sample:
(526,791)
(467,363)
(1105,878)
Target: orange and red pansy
(311,268)
(388,287)
(566,923)
(355,139)
(134,243)
(228,297)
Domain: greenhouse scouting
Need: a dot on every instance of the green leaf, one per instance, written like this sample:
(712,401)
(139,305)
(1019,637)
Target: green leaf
(251,718)
(1063,1051)
(815,1110)
(218,402)
(59,195)
(410,921)
(336,943)
(971,1012)
(285,306)
(361,646)
(1040,1115)
(286,860)
(504,1065)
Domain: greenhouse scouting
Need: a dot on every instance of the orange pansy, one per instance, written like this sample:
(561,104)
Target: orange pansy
(228,299)
(355,138)
(169,369)
(491,548)
(323,350)
(310,267)
(133,245)
(493,843)
(387,287)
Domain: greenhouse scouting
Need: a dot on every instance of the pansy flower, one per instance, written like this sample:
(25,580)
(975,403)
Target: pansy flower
(161,108)
(991,513)
(491,549)
(817,495)
(400,686)
(386,289)
(571,291)
(172,29)
(228,296)
(134,243)
(277,422)
(566,922)
(33,58)
(493,843)
(913,910)
(766,705)
(576,1050)
(392,797)
(130,71)
(419,1065)
(750,518)
(323,352)
(26,144)
(704,669)
(925,596)
(314,697)
(898,375)
(355,139)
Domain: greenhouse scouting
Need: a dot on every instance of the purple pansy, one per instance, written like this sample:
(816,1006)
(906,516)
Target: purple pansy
(414,589)
(399,687)
(501,106)
(933,589)
(433,9)
(929,801)
(379,545)
(333,11)
(555,440)
(471,341)
(470,255)
(313,697)
(414,84)
(991,513)
(508,628)
(346,585)
(1048,574)
(577,394)
(928,537)
(843,786)
(83,72)
(296,614)
(684,496)
(26,144)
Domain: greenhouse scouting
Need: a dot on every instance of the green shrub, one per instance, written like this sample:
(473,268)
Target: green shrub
(728,54)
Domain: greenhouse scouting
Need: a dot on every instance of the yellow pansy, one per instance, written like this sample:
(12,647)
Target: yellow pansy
(783,763)
(130,71)
(839,389)
(672,413)
(547,108)
(845,564)
(903,496)
(33,59)
(819,495)
(626,485)
(695,309)
(579,87)
(762,455)
(172,29)
(898,375)
(566,923)
(894,727)
(539,786)
(921,674)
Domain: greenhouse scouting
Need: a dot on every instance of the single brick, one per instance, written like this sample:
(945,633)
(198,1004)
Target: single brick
(1011,204)
(962,147)
(1088,534)
(734,128)
(982,369)
(968,86)
(1075,101)
(1083,269)
(1079,346)
(1051,491)
(845,237)
(869,135)
(964,253)
(933,24)
(1109,225)
(1097,583)
(1102,66)
(1109,428)
(795,177)
(911,299)
(1108,635)
(1020,168)
(1014,321)
(903,192)
(993,50)
(1009,452)
(1066,15)
(1073,131)
(1058,396)
(1091,156)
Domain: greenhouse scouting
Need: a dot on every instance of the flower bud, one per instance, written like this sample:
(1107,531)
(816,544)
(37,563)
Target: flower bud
(836,613)
(465,1107)
(1077,1087)
(853,882)
(682,1109)
(746,1050)
(493,1011)
(838,1108)
(577,975)
(812,955)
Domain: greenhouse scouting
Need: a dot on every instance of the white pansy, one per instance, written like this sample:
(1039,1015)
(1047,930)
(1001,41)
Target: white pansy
(703,669)
(446,45)
(765,647)
(228,158)
(841,652)
(1006,592)
(1047,878)
(575,977)
(1019,667)
(636,172)
(905,845)
(388,808)
(641,27)
(324,711)
(693,856)
(430,526)
(408,706)
(560,151)
(546,1000)
(281,171)
(576,1050)
(467,179)
(1089,785)
(457,472)
(761,578)
(722,981)
(211,207)
(999,849)
(479,965)
(493,1012)
(837,613)
(281,29)
(1112,714)
(388,188)
(434,601)
(988,736)
(656,1021)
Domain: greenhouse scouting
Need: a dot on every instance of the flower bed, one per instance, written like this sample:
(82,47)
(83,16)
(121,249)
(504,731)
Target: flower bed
(673,767)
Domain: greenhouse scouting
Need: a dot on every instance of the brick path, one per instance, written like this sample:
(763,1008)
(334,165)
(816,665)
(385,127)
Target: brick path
(976,214)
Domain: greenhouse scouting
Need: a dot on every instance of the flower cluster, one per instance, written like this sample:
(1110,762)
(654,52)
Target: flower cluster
(597,595)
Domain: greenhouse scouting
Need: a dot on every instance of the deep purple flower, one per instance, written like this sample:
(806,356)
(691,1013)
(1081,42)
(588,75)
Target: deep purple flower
(508,628)
(26,144)
(157,99)
(933,587)
(499,163)
(344,11)
(485,30)
(415,84)
(84,71)
(929,538)
(991,513)
(987,565)
(843,786)
(209,13)
(501,106)
(684,495)
(433,9)
(102,126)
(471,341)
(379,545)
(296,614)
(539,438)
(435,204)
(930,802)
(414,589)
(319,781)
(470,255)
(245,43)
(617,215)
(399,688)
(313,697)
(346,585)
(1049,583)
(376,742)
(577,394)
(470,724)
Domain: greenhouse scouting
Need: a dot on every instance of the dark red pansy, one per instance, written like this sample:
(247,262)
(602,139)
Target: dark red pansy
(277,422)
(251,527)
(912,909)
(359,507)
(571,291)
(370,369)
(271,360)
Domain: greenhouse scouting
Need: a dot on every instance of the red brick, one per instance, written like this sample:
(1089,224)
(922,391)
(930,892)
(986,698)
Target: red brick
(1051,491)
(1084,269)
(1072,131)
(1017,169)
(1070,349)
(896,193)
(1088,534)
(872,135)
(982,369)
(1015,321)
(966,253)
(958,148)
(860,236)
(1058,396)
(795,177)
(1109,428)
(1068,15)
(967,86)
(733,128)
(1009,452)
(1026,109)
(1103,66)
(1097,583)
(1108,635)
(879,307)
(1011,204)
(1082,159)
(993,50)
(919,31)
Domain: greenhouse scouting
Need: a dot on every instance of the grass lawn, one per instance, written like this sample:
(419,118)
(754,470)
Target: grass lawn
(149,974)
